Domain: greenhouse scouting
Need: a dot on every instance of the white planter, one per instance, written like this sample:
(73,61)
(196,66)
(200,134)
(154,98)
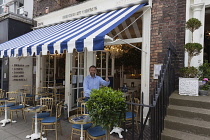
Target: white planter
(188,86)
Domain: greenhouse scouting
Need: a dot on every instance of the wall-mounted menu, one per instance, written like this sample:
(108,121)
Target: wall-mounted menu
(20,72)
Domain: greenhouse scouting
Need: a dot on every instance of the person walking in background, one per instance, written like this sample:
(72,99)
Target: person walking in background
(93,81)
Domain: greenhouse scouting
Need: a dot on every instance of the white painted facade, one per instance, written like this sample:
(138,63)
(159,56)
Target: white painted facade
(196,9)
(85,9)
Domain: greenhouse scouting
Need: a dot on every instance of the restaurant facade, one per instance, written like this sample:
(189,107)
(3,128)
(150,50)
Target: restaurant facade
(71,36)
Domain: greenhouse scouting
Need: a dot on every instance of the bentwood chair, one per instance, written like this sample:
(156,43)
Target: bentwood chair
(53,121)
(96,132)
(48,102)
(129,114)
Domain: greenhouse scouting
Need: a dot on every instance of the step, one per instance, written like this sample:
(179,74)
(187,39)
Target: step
(169,134)
(188,125)
(189,112)
(191,101)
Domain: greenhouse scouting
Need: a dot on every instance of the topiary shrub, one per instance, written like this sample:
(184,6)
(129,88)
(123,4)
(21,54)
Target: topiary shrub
(106,107)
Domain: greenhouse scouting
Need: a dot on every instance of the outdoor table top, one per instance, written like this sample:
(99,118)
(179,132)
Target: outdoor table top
(79,119)
(35,108)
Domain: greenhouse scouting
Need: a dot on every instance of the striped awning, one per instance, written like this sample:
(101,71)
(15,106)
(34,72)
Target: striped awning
(89,32)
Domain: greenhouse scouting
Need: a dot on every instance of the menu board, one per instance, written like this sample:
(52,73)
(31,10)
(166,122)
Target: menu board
(20,72)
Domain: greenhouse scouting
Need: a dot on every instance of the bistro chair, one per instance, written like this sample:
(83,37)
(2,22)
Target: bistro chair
(80,101)
(1,94)
(52,121)
(8,101)
(59,93)
(48,102)
(43,91)
(128,115)
(2,100)
(17,108)
(28,94)
(96,132)
(76,128)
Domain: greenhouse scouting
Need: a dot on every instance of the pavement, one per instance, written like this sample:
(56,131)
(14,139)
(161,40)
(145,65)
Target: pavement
(20,129)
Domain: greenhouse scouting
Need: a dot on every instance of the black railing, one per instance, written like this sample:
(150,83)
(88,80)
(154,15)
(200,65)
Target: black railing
(152,125)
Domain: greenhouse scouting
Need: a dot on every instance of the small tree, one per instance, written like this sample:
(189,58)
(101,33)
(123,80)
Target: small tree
(193,49)
(106,108)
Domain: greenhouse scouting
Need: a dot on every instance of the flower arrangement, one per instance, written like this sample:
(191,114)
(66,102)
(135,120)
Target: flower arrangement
(205,80)
(205,85)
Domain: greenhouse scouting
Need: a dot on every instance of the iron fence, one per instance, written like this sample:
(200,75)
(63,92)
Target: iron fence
(152,124)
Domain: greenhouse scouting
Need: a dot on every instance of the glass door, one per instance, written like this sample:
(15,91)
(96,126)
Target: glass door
(77,76)
(49,77)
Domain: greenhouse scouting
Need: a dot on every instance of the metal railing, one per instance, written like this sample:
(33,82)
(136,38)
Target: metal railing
(152,125)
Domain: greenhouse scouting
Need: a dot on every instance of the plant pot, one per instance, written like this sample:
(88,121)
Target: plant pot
(188,86)
(203,92)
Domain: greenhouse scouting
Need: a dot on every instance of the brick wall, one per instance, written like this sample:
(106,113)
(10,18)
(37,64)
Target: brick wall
(54,5)
(168,24)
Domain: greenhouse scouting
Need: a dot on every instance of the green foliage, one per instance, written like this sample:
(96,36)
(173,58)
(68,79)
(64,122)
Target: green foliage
(193,49)
(189,72)
(106,107)
(193,24)
(205,87)
(204,70)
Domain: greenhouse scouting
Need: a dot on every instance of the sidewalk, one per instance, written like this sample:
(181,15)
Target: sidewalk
(19,130)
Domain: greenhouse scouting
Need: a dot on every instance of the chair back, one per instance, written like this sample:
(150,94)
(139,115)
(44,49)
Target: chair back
(43,91)
(27,89)
(48,102)
(136,107)
(12,96)
(1,93)
(59,109)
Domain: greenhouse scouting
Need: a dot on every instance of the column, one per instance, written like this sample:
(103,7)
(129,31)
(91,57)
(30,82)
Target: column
(68,91)
(198,9)
(145,61)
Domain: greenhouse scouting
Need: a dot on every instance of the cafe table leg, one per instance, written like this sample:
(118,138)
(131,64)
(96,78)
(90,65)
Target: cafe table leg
(5,120)
(81,137)
(36,134)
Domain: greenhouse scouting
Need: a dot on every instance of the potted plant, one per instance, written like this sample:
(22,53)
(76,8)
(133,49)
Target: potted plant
(204,70)
(204,89)
(106,108)
(188,83)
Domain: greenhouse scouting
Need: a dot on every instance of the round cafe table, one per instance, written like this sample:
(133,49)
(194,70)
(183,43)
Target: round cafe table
(35,109)
(79,119)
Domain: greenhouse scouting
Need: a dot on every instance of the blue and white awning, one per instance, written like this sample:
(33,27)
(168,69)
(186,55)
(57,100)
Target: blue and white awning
(89,32)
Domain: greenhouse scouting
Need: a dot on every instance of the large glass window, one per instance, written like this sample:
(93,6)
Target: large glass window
(101,62)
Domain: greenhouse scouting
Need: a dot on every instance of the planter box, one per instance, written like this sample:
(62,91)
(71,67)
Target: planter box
(203,92)
(188,86)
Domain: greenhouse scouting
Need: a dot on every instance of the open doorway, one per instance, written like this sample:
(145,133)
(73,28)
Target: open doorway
(206,55)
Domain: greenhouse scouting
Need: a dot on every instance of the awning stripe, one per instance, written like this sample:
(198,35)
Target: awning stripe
(87,32)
